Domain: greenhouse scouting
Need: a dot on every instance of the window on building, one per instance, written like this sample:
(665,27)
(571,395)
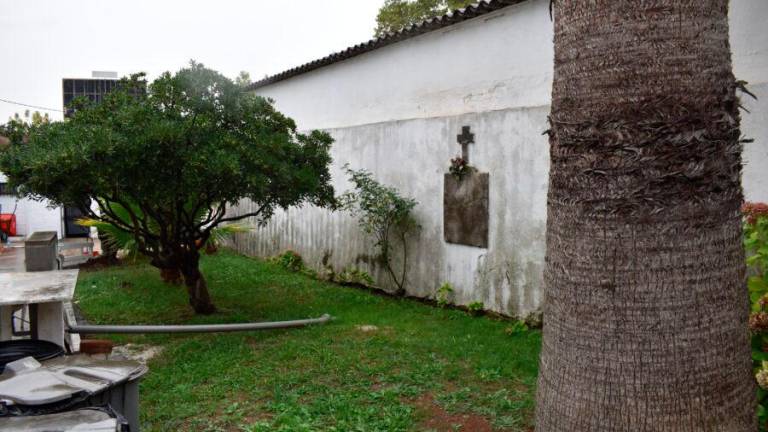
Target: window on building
(92,89)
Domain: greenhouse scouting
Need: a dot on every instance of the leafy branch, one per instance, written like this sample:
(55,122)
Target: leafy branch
(384,214)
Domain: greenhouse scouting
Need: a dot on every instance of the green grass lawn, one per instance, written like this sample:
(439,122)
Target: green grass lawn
(423,369)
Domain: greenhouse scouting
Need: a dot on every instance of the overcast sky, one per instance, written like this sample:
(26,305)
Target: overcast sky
(43,41)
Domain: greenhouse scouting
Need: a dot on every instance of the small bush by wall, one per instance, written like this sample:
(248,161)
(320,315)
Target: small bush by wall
(387,216)
(756,245)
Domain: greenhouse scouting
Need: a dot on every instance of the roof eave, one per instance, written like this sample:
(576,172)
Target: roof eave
(459,15)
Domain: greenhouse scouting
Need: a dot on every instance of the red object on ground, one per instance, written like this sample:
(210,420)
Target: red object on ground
(96,346)
(8,223)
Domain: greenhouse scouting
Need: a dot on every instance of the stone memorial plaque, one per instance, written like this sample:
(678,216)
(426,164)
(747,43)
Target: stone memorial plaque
(465,209)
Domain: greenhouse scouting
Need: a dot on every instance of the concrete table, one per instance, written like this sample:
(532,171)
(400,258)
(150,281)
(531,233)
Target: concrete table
(45,293)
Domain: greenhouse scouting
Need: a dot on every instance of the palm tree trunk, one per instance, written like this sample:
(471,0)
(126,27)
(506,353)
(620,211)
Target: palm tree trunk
(108,250)
(645,316)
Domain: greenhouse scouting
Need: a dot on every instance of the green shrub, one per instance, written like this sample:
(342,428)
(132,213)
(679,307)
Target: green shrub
(384,214)
(519,327)
(756,245)
(443,294)
(475,308)
(289,260)
(354,276)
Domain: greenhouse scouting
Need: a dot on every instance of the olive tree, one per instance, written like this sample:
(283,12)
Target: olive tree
(395,15)
(165,162)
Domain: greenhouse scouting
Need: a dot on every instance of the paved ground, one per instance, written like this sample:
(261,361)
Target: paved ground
(12,259)
(15,280)
(12,255)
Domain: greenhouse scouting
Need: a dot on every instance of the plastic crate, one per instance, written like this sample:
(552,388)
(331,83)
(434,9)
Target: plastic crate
(8,223)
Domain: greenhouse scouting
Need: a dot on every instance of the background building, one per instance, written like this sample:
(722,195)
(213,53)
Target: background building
(94,90)
(33,215)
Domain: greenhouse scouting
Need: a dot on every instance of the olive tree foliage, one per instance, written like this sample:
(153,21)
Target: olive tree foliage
(17,125)
(395,15)
(385,215)
(166,164)
(243,79)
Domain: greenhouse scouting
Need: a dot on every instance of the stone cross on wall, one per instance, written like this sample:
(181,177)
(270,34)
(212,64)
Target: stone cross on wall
(465,201)
(465,139)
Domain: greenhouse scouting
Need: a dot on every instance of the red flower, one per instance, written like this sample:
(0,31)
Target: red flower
(758,322)
(753,211)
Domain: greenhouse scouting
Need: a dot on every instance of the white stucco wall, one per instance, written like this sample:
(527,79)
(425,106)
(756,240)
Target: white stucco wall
(749,43)
(31,215)
(497,61)
(412,155)
(396,112)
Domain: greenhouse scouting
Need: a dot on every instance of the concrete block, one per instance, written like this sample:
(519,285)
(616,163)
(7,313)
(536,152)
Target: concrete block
(41,250)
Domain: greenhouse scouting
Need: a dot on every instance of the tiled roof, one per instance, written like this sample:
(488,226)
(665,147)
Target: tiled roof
(472,11)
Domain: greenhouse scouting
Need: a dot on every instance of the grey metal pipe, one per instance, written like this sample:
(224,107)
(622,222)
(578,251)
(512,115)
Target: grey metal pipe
(195,328)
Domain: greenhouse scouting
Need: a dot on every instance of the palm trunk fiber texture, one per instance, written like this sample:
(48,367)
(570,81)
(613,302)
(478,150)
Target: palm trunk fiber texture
(645,315)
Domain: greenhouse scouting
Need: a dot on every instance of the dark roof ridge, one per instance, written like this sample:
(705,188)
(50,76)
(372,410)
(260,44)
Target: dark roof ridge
(456,16)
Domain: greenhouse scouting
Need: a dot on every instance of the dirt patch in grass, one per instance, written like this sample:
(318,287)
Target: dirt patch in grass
(367,328)
(435,418)
(140,353)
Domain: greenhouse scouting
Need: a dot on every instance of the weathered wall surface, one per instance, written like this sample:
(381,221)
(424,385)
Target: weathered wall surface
(396,112)
(413,155)
(749,43)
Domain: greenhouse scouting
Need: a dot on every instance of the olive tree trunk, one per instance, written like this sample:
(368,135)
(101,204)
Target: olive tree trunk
(171,275)
(645,316)
(170,269)
(197,288)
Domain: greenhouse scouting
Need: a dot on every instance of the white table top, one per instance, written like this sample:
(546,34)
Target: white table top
(18,288)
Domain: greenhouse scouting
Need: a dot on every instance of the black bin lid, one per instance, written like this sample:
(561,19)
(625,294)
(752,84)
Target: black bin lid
(18,349)
(97,419)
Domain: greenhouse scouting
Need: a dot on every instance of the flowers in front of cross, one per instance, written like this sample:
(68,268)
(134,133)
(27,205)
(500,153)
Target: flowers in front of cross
(459,168)
(758,321)
(752,211)
(755,224)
